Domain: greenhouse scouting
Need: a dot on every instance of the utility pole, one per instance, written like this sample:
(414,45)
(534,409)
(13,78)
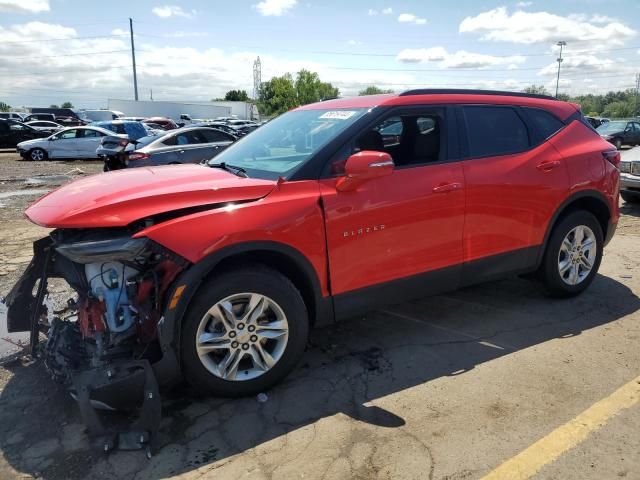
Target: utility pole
(560,44)
(151,93)
(133,58)
(635,102)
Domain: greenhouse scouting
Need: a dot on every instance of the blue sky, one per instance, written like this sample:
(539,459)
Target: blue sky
(58,50)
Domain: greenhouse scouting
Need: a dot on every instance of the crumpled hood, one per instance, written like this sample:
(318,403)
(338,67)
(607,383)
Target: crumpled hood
(117,198)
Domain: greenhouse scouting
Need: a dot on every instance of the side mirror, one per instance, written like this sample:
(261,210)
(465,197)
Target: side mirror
(363,166)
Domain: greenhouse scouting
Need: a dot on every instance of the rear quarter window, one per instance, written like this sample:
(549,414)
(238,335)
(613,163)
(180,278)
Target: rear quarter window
(495,131)
(544,124)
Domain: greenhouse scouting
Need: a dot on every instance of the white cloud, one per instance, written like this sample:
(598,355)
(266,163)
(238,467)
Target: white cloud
(385,11)
(524,4)
(411,18)
(24,6)
(167,11)
(577,63)
(458,59)
(354,42)
(543,27)
(603,19)
(119,31)
(275,8)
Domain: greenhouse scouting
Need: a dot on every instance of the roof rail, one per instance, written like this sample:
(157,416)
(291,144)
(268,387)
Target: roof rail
(445,91)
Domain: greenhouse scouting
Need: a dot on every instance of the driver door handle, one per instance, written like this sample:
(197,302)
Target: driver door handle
(548,165)
(447,187)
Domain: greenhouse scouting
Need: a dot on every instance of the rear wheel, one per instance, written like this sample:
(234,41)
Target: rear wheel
(618,143)
(573,254)
(630,198)
(244,331)
(37,155)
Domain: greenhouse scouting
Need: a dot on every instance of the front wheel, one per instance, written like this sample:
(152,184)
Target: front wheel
(37,155)
(244,331)
(573,254)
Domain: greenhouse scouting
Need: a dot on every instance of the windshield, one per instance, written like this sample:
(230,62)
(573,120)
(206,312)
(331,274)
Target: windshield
(281,146)
(611,127)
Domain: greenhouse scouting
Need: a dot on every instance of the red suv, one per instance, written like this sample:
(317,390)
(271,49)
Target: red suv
(216,274)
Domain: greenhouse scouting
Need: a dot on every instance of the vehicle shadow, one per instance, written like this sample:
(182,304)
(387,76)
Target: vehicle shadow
(347,368)
(630,209)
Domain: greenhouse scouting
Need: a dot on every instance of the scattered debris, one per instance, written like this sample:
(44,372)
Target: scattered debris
(262,397)
(75,171)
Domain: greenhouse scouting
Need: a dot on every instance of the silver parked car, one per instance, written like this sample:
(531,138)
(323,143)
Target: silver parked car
(75,142)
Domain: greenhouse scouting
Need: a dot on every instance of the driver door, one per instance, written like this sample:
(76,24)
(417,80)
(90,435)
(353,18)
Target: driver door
(398,236)
(64,145)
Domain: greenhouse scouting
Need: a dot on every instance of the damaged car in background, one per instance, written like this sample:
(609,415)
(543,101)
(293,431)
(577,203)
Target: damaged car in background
(215,273)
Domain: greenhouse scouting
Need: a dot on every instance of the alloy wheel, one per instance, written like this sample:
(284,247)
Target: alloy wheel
(37,155)
(577,255)
(242,336)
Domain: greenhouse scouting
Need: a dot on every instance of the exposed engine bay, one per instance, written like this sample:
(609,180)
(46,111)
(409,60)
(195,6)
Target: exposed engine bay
(102,346)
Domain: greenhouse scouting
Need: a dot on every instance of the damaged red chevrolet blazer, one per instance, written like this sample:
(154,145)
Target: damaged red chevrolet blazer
(216,273)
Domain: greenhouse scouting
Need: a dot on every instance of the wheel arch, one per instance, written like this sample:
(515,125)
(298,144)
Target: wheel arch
(281,257)
(591,201)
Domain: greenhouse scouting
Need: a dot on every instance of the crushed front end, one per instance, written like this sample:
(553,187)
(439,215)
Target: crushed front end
(105,346)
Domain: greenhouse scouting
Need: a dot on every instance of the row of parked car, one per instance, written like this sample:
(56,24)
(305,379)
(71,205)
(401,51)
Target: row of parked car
(124,143)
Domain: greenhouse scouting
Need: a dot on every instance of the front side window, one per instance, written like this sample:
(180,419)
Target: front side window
(283,145)
(495,131)
(67,134)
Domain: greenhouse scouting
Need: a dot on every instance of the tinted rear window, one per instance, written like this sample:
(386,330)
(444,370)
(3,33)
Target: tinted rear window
(495,131)
(546,123)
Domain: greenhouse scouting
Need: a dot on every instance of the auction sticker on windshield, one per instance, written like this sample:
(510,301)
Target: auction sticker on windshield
(338,115)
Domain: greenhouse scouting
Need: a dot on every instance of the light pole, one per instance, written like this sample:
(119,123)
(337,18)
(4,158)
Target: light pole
(560,44)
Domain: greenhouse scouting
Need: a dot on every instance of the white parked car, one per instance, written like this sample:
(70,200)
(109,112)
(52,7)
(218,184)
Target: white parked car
(45,126)
(12,116)
(74,142)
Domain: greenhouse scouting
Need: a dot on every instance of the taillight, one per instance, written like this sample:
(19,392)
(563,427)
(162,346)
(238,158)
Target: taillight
(138,156)
(613,157)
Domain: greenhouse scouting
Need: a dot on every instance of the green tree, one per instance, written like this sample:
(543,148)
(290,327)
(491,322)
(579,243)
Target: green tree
(236,96)
(53,105)
(66,105)
(310,89)
(328,91)
(619,109)
(4,107)
(536,90)
(373,90)
(277,95)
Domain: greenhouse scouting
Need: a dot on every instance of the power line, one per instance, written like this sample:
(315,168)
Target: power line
(59,39)
(75,70)
(69,54)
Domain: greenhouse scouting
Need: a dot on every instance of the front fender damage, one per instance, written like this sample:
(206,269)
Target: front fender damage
(106,349)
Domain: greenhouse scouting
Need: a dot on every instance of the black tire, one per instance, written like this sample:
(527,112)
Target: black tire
(549,272)
(618,143)
(38,153)
(630,198)
(254,279)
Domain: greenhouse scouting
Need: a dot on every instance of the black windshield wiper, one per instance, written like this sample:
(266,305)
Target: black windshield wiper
(239,171)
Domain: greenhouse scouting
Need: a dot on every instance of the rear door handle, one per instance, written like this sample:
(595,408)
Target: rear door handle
(548,165)
(181,151)
(447,187)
